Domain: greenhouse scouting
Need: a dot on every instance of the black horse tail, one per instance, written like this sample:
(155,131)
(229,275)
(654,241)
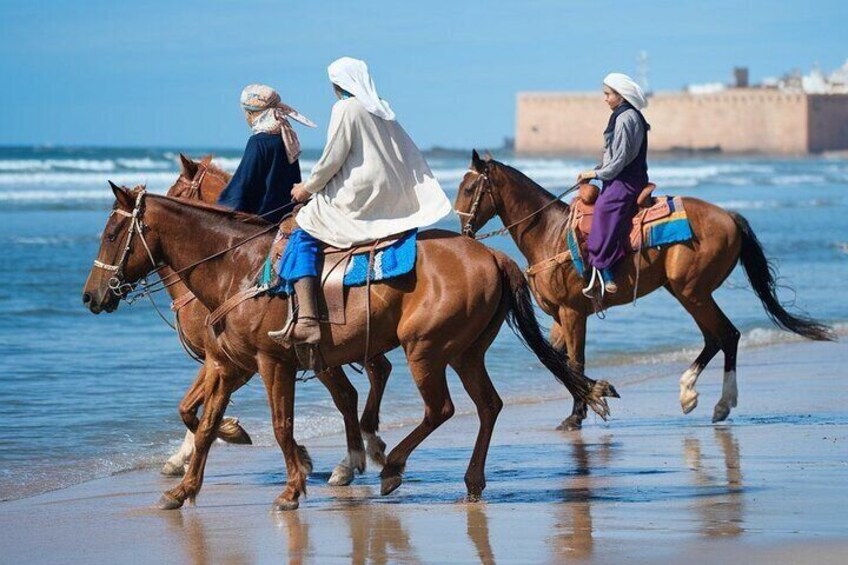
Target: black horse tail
(762,276)
(521,318)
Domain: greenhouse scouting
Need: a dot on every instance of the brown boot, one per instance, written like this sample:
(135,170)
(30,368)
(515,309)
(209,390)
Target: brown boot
(307,326)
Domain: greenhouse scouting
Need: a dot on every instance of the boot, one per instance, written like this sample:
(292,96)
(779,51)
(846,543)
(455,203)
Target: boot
(307,326)
(609,282)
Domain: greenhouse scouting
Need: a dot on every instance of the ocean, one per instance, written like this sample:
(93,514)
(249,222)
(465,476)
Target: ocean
(84,397)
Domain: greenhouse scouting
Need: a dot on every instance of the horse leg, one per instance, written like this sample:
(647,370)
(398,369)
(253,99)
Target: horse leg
(719,334)
(475,379)
(438,408)
(378,370)
(219,386)
(346,401)
(229,430)
(279,379)
(570,334)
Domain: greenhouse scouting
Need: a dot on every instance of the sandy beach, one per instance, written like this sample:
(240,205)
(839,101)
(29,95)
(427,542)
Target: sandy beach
(649,486)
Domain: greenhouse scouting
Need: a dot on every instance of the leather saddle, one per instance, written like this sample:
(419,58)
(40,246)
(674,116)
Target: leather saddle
(332,264)
(650,209)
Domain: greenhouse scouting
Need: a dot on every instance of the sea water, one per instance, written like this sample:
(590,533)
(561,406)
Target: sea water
(84,396)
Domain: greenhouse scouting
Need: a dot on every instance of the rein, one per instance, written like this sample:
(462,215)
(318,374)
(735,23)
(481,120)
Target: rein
(484,184)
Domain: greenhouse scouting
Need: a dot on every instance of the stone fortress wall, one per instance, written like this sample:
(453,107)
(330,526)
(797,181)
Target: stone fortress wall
(736,120)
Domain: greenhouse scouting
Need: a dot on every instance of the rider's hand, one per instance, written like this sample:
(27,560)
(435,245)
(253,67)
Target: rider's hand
(586,176)
(299,194)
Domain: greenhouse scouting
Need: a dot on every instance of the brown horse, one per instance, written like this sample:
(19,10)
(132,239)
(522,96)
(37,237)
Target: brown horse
(691,272)
(446,312)
(204,181)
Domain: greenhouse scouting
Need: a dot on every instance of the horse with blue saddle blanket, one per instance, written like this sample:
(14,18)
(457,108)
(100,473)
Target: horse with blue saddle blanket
(685,245)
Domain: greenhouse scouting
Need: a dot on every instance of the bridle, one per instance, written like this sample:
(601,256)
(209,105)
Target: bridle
(196,182)
(117,285)
(484,184)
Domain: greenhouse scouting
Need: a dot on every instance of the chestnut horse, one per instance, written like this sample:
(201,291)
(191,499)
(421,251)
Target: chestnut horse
(446,312)
(204,181)
(690,271)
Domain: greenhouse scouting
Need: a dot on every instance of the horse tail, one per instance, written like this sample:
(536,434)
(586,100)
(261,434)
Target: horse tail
(762,275)
(521,318)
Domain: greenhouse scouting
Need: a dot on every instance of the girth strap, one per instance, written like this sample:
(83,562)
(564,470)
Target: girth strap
(548,263)
(229,304)
(181,301)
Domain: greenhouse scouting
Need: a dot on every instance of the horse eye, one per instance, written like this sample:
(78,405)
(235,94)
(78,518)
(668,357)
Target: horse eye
(110,237)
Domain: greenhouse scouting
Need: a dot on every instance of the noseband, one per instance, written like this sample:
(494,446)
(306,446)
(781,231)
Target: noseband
(137,226)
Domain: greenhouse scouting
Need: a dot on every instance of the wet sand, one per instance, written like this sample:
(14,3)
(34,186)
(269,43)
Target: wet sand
(649,486)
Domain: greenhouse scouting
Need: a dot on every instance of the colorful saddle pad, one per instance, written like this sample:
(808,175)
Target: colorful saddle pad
(664,223)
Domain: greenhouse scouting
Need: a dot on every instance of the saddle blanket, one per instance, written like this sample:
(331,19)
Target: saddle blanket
(392,261)
(664,223)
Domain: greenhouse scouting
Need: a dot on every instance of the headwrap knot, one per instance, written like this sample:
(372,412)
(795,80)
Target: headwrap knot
(270,115)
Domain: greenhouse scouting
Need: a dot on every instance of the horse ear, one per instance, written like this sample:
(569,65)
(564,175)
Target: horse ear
(207,160)
(122,195)
(477,163)
(188,168)
(487,156)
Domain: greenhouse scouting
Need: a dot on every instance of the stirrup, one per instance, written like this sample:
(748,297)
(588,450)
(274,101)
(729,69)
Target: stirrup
(589,291)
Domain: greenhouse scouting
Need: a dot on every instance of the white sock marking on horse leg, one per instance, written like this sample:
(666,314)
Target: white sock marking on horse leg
(688,394)
(176,464)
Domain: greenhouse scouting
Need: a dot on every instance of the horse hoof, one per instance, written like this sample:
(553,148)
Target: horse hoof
(286,505)
(231,431)
(173,470)
(569,425)
(341,477)
(720,413)
(689,403)
(389,484)
(169,502)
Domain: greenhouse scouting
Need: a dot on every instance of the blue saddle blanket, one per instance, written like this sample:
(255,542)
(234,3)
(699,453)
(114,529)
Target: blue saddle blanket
(393,261)
(390,262)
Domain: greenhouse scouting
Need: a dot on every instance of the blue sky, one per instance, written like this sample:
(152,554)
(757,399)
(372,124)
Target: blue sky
(165,73)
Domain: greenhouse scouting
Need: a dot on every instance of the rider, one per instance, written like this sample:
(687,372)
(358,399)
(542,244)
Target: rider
(269,167)
(624,173)
(370,183)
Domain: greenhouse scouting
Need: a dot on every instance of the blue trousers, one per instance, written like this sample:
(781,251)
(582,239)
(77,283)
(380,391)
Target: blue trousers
(299,260)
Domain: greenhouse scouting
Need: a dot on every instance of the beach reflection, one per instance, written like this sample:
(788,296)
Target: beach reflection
(720,509)
(378,535)
(477,528)
(297,534)
(573,531)
(193,539)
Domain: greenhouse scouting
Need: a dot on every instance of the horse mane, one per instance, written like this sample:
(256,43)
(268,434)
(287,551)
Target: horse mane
(229,213)
(515,174)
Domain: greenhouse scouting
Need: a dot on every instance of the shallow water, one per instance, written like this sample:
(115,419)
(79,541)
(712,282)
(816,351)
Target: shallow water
(86,396)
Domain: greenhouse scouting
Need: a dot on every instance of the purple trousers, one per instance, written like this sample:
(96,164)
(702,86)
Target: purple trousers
(611,223)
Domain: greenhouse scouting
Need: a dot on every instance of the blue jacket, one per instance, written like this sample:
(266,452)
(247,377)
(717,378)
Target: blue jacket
(264,178)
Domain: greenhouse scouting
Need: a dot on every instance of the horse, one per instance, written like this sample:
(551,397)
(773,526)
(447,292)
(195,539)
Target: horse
(447,311)
(538,223)
(202,180)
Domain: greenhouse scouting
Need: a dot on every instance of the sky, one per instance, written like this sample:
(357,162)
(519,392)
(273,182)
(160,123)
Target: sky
(169,74)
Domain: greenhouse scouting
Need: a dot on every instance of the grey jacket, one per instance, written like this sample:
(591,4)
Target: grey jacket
(622,145)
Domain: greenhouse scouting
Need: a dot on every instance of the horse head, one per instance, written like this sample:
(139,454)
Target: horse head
(127,252)
(199,180)
(472,204)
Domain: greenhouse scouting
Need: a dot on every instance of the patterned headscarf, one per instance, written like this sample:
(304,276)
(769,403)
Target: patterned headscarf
(267,113)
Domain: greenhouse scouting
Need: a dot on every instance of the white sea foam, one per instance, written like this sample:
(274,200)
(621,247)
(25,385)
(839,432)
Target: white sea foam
(145,164)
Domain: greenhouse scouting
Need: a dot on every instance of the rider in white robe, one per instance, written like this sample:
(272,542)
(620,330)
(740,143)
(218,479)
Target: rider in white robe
(371,182)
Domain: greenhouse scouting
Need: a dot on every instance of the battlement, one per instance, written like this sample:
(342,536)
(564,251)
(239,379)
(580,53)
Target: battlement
(737,120)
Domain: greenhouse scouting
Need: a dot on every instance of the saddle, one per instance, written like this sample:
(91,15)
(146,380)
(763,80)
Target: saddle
(333,264)
(650,210)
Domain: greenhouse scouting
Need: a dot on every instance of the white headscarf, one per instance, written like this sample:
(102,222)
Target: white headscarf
(628,89)
(269,114)
(352,75)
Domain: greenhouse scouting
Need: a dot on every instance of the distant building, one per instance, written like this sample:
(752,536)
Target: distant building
(787,116)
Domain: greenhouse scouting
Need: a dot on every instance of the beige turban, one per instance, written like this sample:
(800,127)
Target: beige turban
(269,114)
(628,89)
